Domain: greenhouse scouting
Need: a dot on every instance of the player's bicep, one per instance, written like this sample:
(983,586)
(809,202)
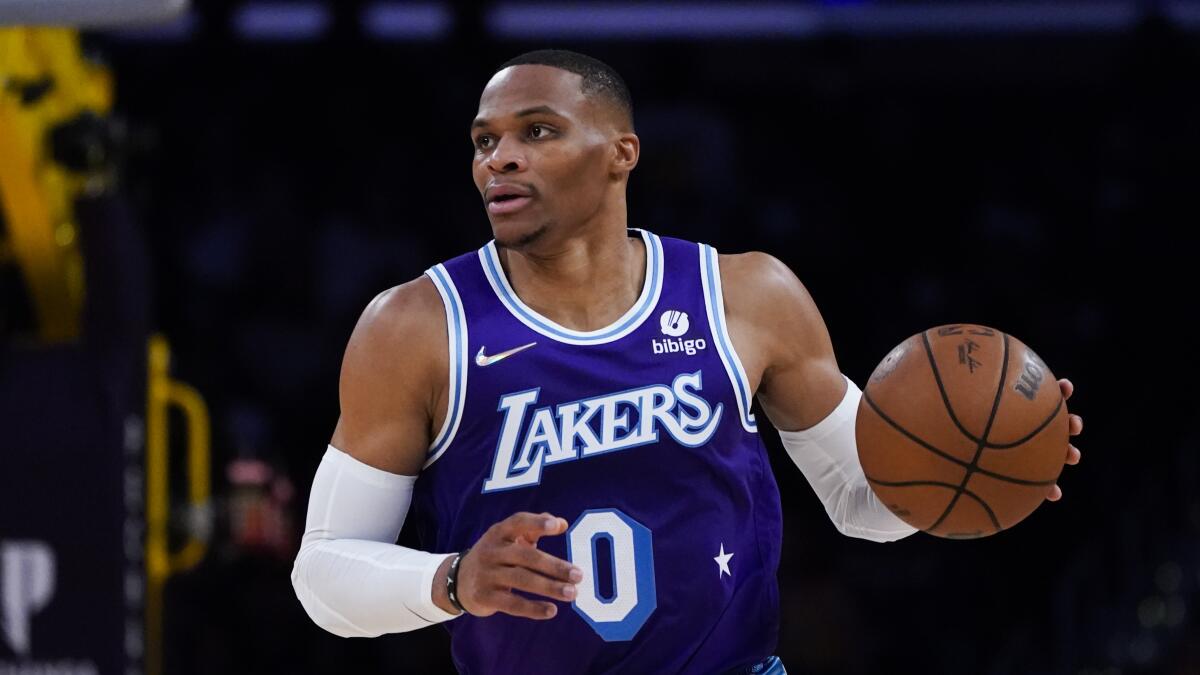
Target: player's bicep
(801,382)
(800,395)
(389,386)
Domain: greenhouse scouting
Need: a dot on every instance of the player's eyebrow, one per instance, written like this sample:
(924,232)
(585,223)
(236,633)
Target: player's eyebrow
(541,109)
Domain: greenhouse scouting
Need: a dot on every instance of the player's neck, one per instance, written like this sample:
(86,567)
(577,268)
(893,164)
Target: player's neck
(583,281)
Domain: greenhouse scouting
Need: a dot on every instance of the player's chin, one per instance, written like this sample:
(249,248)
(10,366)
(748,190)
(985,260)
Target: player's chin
(510,233)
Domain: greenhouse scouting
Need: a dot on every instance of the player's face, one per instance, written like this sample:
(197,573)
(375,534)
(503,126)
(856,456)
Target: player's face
(541,151)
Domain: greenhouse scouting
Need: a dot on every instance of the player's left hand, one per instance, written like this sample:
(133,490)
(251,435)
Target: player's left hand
(1074,428)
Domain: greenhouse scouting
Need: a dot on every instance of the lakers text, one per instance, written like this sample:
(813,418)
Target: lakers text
(593,426)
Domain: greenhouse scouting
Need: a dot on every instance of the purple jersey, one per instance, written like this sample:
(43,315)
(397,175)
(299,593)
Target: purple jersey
(640,435)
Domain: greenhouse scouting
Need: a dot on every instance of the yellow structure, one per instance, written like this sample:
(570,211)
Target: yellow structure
(162,394)
(44,82)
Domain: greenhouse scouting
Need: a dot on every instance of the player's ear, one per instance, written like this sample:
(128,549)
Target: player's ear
(626,150)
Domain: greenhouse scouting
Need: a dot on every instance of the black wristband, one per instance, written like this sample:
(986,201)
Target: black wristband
(452,581)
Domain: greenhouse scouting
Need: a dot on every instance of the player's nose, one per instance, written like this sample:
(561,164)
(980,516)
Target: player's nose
(507,156)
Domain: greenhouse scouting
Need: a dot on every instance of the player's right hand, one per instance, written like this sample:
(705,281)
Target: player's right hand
(506,558)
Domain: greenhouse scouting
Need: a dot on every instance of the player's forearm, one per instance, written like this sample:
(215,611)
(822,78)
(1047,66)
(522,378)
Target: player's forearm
(349,576)
(857,512)
(356,588)
(828,458)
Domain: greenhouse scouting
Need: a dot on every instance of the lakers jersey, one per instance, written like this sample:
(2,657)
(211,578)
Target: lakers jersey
(640,435)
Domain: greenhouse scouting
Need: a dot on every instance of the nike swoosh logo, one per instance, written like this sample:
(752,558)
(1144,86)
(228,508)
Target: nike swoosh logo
(482,359)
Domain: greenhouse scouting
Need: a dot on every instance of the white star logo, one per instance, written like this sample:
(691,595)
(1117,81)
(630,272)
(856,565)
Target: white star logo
(723,561)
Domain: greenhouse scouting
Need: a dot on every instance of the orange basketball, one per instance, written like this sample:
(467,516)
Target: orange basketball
(962,431)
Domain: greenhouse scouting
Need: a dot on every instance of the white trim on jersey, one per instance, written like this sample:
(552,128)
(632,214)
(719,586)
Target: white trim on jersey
(714,305)
(456,330)
(646,302)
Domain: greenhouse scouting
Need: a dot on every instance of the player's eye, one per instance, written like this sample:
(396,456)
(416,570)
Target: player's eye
(538,131)
(482,141)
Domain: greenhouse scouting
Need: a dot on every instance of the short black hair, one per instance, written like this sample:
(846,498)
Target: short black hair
(599,78)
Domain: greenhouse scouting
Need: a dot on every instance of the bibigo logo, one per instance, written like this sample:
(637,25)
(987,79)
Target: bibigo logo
(673,324)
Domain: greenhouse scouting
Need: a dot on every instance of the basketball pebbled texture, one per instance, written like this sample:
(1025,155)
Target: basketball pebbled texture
(962,431)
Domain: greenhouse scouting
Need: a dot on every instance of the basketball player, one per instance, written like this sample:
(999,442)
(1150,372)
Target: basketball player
(567,412)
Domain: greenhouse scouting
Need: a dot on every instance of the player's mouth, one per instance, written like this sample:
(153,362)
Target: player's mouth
(506,204)
(505,198)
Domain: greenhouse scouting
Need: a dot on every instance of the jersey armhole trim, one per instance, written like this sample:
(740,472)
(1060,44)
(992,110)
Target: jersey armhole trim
(714,306)
(456,331)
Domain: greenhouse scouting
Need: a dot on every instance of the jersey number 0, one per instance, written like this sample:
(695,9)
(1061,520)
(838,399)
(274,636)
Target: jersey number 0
(630,548)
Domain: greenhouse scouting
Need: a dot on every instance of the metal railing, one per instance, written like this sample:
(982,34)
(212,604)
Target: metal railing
(163,393)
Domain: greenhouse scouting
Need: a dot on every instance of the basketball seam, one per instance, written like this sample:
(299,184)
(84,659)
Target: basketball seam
(1021,441)
(937,376)
(914,483)
(946,400)
(987,429)
(945,455)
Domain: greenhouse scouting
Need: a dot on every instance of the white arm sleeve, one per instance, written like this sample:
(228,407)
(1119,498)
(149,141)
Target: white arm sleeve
(828,456)
(349,575)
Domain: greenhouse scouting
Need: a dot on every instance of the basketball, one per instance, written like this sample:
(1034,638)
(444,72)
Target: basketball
(962,431)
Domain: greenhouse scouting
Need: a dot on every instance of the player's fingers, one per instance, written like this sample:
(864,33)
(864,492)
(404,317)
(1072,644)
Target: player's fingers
(525,580)
(515,605)
(543,563)
(1073,454)
(1075,425)
(1067,388)
(530,526)
(547,525)
(1055,493)
(516,525)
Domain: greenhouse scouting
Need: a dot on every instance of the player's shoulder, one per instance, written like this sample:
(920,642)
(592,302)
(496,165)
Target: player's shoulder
(408,318)
(759,280)
(756,269)
(763,292)
(393,376)
(405,308)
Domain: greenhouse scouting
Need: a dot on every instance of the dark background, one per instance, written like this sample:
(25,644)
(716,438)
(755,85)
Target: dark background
(1040,181)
